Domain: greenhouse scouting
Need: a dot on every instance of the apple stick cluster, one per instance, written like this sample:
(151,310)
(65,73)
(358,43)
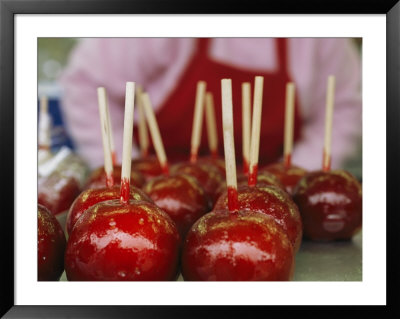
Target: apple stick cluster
(149,216)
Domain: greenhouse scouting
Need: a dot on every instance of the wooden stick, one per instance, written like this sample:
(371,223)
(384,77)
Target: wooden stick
(110,132)
(211,125)
(289,122)
(108,165)
(127,142)
(330,100)
(111,138)
(246,115)
(155,133)
(44,104)
(44,134)
(143,135)
(197,120)
(255,130)
(229,145)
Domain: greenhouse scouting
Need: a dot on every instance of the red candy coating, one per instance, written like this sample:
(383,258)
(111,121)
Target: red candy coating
(114,242)
(263,179)
(289,177)
(148,166)
(91,197)
(215,161)
(252,176)
(51,246)
(232,199)
(57,192)
(272,201)
(181,197)
(98,177)
(208,176)
(330,204)
(241,246)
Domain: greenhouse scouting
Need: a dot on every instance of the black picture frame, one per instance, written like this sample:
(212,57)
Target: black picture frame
(8,10)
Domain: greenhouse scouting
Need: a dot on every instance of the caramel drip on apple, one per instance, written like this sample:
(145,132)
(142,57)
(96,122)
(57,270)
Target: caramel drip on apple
(326,162)
(252,178)
(255,130)
(287,161)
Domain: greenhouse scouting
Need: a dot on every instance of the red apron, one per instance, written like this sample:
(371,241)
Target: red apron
(176,114)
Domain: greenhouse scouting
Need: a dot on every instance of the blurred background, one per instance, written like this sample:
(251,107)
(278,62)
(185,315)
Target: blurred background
(53,55)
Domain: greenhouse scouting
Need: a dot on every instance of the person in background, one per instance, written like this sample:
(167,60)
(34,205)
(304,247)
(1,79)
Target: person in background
(169,68)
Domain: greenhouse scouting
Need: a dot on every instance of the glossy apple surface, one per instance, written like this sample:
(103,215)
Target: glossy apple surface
(217,162)
(98,178)
(289,177)
(57,192)
(181,197)
(90,197)
(132,242)
(272,201)
(330,204)
(51,246)
(148,166)
(263,179)
(208,176)
(241,246)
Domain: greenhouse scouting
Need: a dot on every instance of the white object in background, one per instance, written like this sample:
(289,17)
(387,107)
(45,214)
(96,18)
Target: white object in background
(50,89)
(44,137)
(44,132)
(51,165)
(43,156)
